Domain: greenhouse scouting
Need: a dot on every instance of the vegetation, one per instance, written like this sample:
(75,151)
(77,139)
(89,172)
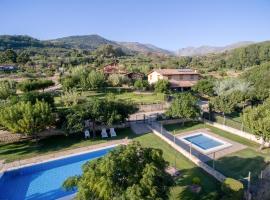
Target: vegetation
(30,85)
(99,111)
(7,89)
(233,189)
(115,177)
(184,106)
(205,87)
(162,86)
(25,118)
(258,120)
(141,85)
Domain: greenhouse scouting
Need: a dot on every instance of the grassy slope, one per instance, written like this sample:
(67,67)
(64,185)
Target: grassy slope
(238,164)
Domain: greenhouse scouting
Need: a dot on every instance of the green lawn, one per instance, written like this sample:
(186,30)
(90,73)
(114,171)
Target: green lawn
(27,149)
(145,98)
(238,164)
(188,170)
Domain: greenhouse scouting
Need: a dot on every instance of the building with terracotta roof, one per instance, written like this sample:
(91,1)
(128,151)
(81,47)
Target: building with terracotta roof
(182,79)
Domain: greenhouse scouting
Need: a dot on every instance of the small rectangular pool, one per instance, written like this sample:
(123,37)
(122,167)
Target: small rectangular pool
(204,142)
(44,180)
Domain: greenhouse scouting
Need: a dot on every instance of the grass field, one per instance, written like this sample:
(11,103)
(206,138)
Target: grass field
(27,149)
(238,164)
(142,98)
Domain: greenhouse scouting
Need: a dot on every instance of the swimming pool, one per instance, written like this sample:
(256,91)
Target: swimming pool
(204,142)
(44,180)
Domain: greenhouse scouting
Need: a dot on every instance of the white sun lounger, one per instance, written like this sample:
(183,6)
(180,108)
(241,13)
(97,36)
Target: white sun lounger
(112,132)
(104,133)
(86,134)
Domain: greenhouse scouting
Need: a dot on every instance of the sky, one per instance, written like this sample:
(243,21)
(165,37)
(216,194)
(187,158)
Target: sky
(169,24)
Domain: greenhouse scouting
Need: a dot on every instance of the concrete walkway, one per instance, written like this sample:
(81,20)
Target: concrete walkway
(44,158)
(139,128)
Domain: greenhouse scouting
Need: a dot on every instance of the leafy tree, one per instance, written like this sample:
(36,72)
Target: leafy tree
(116,79)
(223,104)
(204,87)
(232,189)
(94,80)
(7,89)
(26,118)
(141,84)
(23,58)
(114,176)
(100,111)
(70,98)
(184,106)
(9,56)
(162,86)
(33,97)
(258,120)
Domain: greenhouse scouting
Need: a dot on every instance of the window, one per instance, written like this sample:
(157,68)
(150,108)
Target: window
(192,77)
(150,77)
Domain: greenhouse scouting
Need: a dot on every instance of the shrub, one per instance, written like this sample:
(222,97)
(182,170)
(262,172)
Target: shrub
(141,84)
(7,89)
(233,189)
(162,86)
(33,97)
(196,181)
(30,85)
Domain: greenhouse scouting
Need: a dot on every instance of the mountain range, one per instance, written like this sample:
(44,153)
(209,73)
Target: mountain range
(91,42)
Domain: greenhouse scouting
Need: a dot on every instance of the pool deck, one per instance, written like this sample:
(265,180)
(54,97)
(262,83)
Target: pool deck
(235,146)
(53,156)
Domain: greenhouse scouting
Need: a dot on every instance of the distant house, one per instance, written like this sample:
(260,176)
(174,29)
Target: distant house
(180,79)
(135,75)
(8,68)
(113,69)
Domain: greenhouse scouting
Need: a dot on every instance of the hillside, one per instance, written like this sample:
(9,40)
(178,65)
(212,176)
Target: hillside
(21,41)
(144,48)
(204,50)
(86,42)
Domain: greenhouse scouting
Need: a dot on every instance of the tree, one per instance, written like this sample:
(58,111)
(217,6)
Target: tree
(115,79)
(204,87)
(94,80)
(30,85)
(258,120)
(115,176)
(100,111)
(162,86)
(25,118)
(9,56)
(184,106)
(223,104)
(70,98)
(232,189)
(141,84)
(23,58)
(7,89)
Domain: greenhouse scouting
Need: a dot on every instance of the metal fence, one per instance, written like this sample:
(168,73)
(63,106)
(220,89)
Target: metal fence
(227,121)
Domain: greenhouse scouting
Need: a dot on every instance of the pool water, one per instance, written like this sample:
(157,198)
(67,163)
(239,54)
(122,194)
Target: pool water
(203,141)
(44,181)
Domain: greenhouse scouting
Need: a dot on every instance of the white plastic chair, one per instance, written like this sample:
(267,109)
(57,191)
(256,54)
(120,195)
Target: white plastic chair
(104,133)
(86,134)
(112,132)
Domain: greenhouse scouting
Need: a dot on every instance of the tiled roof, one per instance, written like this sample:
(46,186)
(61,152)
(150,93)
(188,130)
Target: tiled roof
(175,71)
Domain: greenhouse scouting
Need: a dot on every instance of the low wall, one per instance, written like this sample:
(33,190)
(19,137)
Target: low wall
(172,121)
(220,177)
(236,132)
(152,107)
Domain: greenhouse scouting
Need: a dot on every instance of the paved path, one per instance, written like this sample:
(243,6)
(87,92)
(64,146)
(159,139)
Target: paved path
(58,154)
(139,128)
